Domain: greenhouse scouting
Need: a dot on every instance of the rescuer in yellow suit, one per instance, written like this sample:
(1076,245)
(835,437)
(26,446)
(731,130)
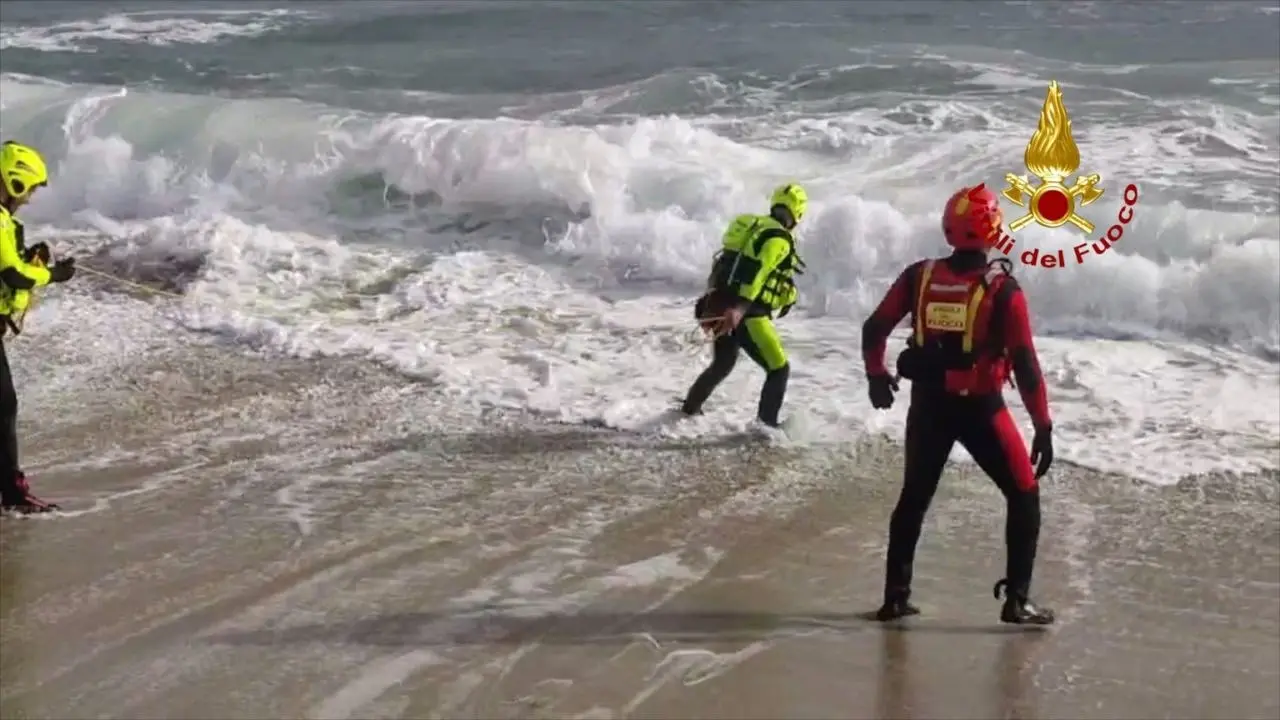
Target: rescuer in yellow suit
(22,269)
(752,279)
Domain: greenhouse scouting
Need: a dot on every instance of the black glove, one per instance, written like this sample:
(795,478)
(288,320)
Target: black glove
(786,309)
(63,270)
(881,389)
(39,251)
(1042,450)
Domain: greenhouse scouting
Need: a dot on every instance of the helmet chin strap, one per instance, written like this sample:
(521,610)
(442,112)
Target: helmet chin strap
(783,215)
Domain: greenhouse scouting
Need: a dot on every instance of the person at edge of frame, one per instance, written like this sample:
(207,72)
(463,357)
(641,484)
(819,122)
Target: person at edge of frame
(22,269)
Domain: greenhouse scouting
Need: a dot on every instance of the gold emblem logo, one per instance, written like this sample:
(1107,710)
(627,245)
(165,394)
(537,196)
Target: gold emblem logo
(1052,156)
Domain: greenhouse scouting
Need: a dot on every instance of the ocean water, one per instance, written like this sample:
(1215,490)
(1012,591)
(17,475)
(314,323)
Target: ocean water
(516,202)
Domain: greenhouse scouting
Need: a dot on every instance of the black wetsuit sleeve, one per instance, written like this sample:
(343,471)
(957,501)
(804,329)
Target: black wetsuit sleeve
(893,307)
(1026,363)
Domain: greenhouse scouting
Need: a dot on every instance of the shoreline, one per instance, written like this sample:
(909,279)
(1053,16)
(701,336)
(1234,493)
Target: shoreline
(292,539)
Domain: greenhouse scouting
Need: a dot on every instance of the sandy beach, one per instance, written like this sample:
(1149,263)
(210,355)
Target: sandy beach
(355,404)
(292,539)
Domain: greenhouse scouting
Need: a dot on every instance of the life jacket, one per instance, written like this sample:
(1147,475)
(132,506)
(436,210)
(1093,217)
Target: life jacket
(738,263)
(13,301)
(958,328)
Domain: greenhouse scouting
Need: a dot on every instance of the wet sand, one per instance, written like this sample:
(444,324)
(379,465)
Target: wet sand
(282,540)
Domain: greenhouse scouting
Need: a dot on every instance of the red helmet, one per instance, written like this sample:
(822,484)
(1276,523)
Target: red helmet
(972,219)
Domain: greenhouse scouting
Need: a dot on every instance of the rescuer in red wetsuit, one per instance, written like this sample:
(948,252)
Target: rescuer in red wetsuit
(970,329)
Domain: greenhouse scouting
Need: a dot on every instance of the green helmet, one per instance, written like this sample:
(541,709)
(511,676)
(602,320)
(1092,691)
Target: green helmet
(792,197)
(21,169)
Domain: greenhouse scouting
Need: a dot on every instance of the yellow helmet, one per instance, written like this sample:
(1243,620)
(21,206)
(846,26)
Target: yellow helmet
(793,198)
(21,169)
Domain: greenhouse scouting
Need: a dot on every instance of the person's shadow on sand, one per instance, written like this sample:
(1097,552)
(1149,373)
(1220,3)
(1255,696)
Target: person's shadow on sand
(493,625)
(507,625)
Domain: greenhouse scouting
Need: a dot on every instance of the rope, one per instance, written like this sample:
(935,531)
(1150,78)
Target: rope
(169,293)
(700,336)
(697,337)
(21,320)
(128,283)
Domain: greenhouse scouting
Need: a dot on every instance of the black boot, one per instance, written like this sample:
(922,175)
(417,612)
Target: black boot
(1018,608)
(896,605)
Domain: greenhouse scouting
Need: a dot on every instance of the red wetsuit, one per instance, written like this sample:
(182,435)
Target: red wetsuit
(966,342)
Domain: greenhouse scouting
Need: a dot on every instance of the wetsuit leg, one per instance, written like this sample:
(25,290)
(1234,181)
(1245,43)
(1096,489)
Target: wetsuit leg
(724,357)
(759,338)
(996,445)
(8,429)
(931,433)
